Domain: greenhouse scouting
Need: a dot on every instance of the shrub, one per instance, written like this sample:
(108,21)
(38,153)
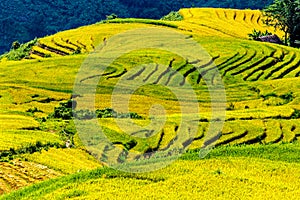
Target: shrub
(296,114)
(230,107)
(84,114)
(255,35)
(47,55)
(143,21)
(287,97)
(106,113)
(66,111)
(77,51)
(111,16)
(28,148)
(111,113)
(173,16)
(18,53)
(33,110)
(267,96)
(15,45)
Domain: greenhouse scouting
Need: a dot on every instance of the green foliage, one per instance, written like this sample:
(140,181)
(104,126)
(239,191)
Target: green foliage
(28,148)
(111,16)
(15,45)
(173,16)
(48,55)
(84,114)
(143,21)
(255,35)
(33,110)
(66,111)
(18,53)
(106,113)
(274,152)
(110,113)
(296,114)
(267,96)
(70,128)
(284,15)
(230,107)
(77,51)
(287,97)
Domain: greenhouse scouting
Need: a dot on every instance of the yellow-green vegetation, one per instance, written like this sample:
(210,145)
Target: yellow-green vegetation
(223,22)
(234,178)
(262,110)
(17,174)
(18,138)
(66,161)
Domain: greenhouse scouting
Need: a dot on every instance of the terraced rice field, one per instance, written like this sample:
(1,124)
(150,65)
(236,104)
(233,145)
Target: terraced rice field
(18,174)
(224,22)
(249,61)
(242,60)
(192,179)
(261,81)
(66,161)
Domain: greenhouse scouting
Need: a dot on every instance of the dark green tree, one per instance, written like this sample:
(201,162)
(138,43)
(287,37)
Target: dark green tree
(285,16)
(15,45)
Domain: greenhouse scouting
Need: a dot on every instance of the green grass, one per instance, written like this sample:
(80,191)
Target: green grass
(274,152)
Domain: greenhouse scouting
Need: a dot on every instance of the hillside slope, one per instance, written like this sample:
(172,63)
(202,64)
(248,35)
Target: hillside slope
(234,178)
(25,20)
(262,110)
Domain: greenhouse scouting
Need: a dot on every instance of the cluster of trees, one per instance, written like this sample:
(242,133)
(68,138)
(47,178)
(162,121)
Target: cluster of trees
(66,111)
(285,15)
(24,20)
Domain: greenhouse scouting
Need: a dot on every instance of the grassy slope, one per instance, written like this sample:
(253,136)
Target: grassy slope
(249,69)
(236,173)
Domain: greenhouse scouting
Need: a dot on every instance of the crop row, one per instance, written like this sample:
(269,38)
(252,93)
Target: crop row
(175,137)
(230,22)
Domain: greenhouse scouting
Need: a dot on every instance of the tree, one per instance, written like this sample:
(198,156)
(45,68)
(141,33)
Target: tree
(15,45)
(285,16)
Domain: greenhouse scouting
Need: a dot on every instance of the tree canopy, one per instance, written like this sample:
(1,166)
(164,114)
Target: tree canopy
(285,15)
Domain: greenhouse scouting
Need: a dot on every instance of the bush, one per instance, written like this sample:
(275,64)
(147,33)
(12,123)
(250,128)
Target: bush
(15,45)
(84,114)
(66,111)
(296,114)
(106,113)
(287,97)
(111,113)
(255,35)
(28,148)
(47,55)
(230,107)
(21,51)
(33,110)
(77,51)
(173,16)
(143,21)
(111,16)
